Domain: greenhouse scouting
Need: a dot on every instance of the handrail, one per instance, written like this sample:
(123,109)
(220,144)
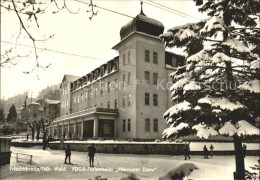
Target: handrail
(17,157)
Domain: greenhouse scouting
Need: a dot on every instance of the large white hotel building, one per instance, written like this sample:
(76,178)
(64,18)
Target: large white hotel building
(123,98)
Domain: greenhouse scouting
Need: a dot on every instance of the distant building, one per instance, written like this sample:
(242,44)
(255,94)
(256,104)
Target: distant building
(53,94)
(125,97)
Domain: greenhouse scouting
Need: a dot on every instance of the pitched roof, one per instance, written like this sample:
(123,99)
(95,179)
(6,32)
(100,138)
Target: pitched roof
(71,78)
(34,103)
(49,101)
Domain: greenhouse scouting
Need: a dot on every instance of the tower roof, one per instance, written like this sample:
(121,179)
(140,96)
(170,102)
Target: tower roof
(144,24)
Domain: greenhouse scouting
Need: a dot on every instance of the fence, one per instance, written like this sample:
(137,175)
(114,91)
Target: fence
(23,157)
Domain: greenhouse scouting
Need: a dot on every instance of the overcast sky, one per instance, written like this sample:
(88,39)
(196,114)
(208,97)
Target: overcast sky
(76,34)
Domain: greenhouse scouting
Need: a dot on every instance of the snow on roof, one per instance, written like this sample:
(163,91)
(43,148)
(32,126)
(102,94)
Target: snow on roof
(222,103)
(204,132)
(183,106)
(149,20)
(34,103)
(50,101)
(237,45)
(252,86)
(71,78)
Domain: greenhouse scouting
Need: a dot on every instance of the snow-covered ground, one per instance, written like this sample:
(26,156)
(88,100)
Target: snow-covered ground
(150,166)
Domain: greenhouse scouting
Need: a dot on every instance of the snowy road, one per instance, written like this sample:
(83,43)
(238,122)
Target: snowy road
(150,166)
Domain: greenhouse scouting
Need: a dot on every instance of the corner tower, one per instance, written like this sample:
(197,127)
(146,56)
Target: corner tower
(141,66)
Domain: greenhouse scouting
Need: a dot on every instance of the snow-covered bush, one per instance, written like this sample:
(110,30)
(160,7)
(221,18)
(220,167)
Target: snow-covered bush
(181,171)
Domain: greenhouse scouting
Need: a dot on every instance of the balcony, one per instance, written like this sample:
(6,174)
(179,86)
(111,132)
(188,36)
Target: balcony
(87,112)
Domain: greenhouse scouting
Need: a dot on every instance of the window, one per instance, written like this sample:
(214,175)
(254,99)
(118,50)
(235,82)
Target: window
(155,57)
(155,99)
(155,125)
(147,56)
(124,80)
(147,125)
(67,103)
(115,103)
(124,60)
(129,125)
(129,57)
(124,123)
(108,104)
(129,99)
(108,87)
(155,78)
(129,78)
(147,77)
(116,65)
(91,93)
(75,100)
(124,99)
(116,84)
(82,97)
(108,68)
(101,91)
(147,99)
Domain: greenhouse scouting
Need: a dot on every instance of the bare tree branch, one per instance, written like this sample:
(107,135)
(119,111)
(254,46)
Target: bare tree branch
(93,13)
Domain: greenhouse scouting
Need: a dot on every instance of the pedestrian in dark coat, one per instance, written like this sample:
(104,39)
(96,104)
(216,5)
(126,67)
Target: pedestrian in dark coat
(205,149)
(91,153)
(187,151)
(68,154)
(211,150)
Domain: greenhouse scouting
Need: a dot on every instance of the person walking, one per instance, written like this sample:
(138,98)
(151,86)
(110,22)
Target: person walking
(205,149)
(187,151)
(68,154)
(91,153)
(211,150)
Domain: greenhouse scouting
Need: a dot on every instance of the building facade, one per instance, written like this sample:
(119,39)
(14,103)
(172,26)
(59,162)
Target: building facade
(125,97)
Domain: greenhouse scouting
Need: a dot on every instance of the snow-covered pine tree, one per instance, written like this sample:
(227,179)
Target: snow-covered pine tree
(217,91)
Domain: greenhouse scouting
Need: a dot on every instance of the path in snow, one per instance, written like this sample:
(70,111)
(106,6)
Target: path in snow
(219,167)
